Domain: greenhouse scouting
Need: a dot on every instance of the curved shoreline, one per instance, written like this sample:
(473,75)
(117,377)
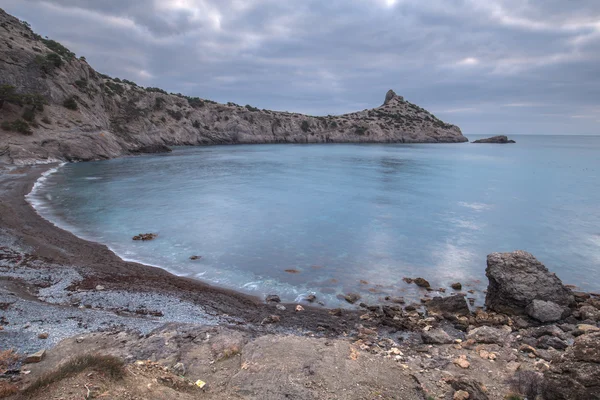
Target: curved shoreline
(98,265)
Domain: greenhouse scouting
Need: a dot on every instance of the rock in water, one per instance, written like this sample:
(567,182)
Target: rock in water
(421,282)
(518,278)
(145,236)
(501,139)
(576,375)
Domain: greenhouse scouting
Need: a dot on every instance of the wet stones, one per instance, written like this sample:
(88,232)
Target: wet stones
(352,297)
(273,298)
(145,236)
(194,258)
(421,282)
(456,286)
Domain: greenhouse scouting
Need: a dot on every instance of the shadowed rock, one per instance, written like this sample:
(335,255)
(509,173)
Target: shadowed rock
(517,279)
(452,304)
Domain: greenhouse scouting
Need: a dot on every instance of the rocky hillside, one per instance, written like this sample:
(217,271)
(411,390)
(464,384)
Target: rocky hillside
(55,106)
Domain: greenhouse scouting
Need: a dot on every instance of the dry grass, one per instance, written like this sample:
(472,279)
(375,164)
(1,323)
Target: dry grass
(7,389)
(111,367)
(7,358)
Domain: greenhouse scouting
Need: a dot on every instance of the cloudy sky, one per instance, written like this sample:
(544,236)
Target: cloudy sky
(489,66)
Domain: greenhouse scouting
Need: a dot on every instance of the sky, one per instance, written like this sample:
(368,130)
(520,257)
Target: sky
(488,66)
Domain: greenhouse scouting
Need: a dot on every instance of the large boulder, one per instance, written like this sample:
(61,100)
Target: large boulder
(517,279)
(576,375)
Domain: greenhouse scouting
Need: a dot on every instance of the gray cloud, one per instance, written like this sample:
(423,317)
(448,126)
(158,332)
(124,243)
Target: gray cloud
(495,66)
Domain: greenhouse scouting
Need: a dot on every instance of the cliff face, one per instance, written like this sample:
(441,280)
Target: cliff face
(54,106)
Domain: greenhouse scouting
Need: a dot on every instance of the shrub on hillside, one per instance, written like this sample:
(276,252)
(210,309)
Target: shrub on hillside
(305,126)
(250,108)
(59,49)
(70,103)
(29,115)
(195,102)
(17,126)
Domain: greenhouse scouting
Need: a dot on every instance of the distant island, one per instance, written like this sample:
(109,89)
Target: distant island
(501,139)
(56,107)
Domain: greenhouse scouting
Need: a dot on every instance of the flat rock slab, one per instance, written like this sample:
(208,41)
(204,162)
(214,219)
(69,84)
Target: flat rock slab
(35,357)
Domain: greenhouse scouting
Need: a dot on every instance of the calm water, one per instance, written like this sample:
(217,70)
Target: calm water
(339,214)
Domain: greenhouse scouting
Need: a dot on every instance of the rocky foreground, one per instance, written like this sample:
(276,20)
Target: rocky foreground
(535,339)
(56,107)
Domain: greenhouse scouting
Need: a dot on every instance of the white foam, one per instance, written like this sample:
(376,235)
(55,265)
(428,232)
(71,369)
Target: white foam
(475,206)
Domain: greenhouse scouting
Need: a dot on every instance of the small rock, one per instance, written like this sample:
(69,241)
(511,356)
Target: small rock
(484,354)
(272,319)
(525,348)
(462,362)
(590,313)
(273,298)
(145,236)
(451,304)
(299,308)
(408,280)
(311,298)
(178,369)
(280,307)
(35,357)
(436,336)
(488,334)
(43,335)
(460,395)
(546,311)
(99,287)
(422,283)
(586,328)
(336,312)
(352,297)
(195,257)
(456,286)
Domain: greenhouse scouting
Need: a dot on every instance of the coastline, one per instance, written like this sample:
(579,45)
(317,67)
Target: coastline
(33,236)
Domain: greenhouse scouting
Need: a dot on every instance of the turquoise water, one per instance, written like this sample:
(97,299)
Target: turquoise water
(342,213)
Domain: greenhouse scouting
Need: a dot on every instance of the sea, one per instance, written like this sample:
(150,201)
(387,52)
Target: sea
(332,219)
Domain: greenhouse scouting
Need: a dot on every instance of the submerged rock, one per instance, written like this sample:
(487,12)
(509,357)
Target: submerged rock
(421,282)
(500,139)
(145,236)
(352,297)
(456,286)
(517,279)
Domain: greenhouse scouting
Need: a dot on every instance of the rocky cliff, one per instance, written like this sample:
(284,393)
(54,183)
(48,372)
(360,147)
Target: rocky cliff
(55,106)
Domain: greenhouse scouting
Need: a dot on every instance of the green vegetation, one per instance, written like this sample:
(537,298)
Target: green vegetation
(81,83)
(159,103)
(130,83)
(110,366)
(333,124)
(250,108)
(360,130)
(17,126)
(176,115)
(29,115)
(115,88)
(70,103)
(195,102)
(49,63)
(155,89)
(8,94)
(59,49)
(305,126)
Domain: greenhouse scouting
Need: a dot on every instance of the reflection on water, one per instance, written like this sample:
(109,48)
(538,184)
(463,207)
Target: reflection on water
(346,217)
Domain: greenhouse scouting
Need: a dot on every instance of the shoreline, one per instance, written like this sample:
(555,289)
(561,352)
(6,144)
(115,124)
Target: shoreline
(35,237)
